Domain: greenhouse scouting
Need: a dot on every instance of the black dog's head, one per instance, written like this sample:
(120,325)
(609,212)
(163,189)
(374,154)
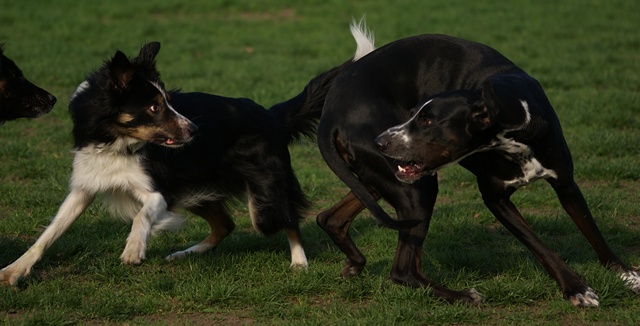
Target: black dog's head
(126,99)
(19,98)
(453,125)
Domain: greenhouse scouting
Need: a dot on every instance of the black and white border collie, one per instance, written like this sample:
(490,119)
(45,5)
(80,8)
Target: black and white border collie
(149,152)
(19,98)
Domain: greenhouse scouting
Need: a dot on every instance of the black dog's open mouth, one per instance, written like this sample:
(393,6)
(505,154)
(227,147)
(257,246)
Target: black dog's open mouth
(410,171)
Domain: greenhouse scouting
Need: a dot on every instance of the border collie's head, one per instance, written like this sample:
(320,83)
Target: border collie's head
(126,100)
(19,98)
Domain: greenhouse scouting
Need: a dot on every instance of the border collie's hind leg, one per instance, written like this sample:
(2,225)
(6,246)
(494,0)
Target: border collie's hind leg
(221,225)
(270,211)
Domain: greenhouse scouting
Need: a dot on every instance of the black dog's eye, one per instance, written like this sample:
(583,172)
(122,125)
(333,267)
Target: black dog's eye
(425,122)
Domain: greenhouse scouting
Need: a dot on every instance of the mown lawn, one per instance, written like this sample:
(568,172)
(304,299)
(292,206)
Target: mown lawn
(586,54)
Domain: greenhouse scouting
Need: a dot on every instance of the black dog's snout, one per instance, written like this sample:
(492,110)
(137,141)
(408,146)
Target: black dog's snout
(193,129)
(52,99)
(381,142)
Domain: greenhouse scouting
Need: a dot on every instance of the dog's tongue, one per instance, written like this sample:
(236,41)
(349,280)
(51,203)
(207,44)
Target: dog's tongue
(409,169)
(170,141)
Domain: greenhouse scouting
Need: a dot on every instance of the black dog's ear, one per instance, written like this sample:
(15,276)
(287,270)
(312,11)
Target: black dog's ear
(148,53)
(480,117)
(121,70)
(503,96)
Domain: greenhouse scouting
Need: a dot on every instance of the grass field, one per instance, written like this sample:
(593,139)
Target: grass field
(586,54)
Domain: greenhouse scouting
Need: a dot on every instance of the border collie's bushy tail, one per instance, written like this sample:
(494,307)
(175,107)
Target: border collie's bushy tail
(300,114)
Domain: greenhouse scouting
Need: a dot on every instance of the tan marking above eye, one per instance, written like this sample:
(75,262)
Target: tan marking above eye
(125,118)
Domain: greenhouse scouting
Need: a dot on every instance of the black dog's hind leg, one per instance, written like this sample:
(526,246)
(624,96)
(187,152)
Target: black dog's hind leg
(335,222)
(574,288)
(575,205)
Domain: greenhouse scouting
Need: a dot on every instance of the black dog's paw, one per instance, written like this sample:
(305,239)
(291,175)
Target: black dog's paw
(474,297)
(586,299)
(351,269)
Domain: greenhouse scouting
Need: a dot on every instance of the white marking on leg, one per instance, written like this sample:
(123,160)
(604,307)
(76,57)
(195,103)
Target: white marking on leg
(153,205)
(200,248)
(586,299)
(298,257)
(631,280)
(72,207)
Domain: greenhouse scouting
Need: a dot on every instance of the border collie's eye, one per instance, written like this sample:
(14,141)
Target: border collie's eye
(154,108)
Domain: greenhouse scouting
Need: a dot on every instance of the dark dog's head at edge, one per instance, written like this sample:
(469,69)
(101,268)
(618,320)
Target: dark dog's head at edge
(127,99)
(19,98)
(451,126)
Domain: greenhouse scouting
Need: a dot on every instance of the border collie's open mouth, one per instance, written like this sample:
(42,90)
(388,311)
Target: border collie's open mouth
(169,142)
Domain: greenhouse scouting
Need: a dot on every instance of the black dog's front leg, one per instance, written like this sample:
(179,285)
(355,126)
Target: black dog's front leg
(573,286)
(407,267)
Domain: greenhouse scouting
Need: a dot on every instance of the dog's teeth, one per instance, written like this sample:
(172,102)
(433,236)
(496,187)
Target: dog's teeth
(401,169)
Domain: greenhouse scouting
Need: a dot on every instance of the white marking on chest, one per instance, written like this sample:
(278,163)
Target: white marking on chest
(522,155)
(110,170)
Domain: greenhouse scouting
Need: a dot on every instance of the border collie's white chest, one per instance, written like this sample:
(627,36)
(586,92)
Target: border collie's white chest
(109,168)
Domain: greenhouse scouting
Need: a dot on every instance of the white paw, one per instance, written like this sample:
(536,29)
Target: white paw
(300,265)
(9,278)
(132,256)
(631,280)
(176,255)
(475,296)
(11,274)
(586,299)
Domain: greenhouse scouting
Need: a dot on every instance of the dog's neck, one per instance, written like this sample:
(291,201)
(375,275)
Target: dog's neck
(121,146)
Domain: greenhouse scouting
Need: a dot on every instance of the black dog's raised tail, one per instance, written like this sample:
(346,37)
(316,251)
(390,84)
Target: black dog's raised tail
(300,114)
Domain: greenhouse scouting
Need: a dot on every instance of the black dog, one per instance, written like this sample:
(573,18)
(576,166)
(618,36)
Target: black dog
(453,101)
(19,98)
(147,160)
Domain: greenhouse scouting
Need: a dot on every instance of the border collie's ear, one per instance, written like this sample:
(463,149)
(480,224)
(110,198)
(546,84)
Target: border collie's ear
(503,96)
(148,53)
(121,70)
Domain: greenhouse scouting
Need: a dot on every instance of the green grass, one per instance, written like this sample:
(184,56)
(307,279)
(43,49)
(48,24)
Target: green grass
(584,53)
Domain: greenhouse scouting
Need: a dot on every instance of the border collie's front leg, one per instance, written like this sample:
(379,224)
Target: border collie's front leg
(72,207)
(153,205)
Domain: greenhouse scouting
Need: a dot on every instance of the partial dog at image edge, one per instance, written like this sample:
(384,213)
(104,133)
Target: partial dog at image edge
(149,152)
(19,98)
(413,106)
